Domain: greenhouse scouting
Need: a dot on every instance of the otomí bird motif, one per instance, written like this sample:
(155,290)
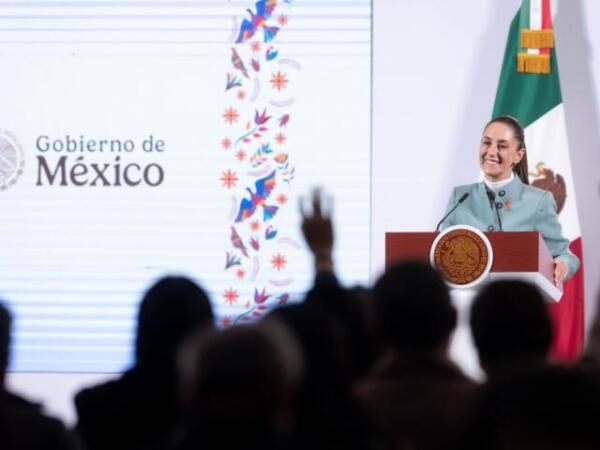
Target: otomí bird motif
(264,187)
(264,9)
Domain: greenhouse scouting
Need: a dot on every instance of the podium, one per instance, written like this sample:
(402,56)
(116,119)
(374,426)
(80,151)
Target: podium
(521,255)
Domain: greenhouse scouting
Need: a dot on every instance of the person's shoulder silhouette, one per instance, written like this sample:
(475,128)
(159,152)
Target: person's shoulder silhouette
(415,397)
(23,426)
(140,406)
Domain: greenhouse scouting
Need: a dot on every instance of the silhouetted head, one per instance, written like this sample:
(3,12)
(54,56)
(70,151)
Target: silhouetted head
(413,308)
(5,323)
(325,413)
(510,325)
(320,341)
(344,314)
(242,378)
(171,310)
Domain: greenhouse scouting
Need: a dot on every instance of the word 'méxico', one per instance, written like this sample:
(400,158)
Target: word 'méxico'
(69,161)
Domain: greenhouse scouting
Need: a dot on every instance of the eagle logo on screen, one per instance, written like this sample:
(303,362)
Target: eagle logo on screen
(12,161)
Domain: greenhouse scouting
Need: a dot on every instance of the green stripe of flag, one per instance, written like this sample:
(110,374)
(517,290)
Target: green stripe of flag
(526,96)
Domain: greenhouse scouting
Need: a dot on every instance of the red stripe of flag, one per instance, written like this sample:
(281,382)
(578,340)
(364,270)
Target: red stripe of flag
(546,22)
(568,315)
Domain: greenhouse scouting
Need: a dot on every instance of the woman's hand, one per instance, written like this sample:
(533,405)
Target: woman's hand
(560,272)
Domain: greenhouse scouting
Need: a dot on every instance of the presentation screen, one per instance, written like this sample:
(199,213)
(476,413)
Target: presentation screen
(145,138)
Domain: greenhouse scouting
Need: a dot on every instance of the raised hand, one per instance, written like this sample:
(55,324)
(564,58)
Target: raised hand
(317,228)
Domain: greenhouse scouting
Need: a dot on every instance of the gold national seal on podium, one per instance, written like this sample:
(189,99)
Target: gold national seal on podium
(463,255)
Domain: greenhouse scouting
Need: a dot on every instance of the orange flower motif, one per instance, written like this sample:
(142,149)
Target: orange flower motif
(280,138)
(283,20)
(241,155)
(231,296)
(226,143)
(279,81)
(231,115)
(255,47)
(282,199)
(278,261)
(280,158)
(229,179)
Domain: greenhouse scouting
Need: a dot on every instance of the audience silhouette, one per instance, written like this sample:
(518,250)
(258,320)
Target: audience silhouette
(344,368)
(330,326)
(242,383)
(511,327)
(141,406)
(23,426)
(415,397)
(548,408)
(590,359)
(528,402)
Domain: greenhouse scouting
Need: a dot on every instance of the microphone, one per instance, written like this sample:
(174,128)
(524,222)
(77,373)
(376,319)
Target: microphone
(492,198)
(460,200)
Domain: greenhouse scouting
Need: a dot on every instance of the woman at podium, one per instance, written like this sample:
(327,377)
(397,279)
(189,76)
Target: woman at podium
(504,200)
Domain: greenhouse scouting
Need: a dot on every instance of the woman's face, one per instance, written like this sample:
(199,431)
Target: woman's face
(498,152)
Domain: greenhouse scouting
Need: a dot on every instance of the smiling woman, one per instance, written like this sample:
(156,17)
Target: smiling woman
(505,202)
(502,150)
(499,155)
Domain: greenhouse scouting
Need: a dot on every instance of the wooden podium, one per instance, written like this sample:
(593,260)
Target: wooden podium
(516,254)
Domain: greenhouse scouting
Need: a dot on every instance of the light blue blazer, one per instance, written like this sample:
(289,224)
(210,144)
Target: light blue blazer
(521,208)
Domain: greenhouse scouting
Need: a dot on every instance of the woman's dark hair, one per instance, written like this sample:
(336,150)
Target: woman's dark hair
(520,168)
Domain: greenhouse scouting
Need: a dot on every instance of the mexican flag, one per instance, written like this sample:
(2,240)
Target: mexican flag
(529,89)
